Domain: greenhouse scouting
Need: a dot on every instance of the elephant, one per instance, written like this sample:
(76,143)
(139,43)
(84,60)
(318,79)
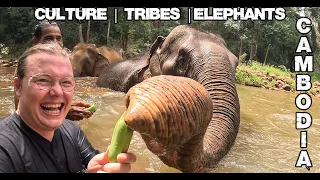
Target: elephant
(122,75)
(200,56)
(89,60)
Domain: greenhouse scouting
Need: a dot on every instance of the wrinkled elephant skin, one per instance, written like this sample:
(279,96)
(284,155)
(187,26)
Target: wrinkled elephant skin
(121,76)
(171,113)
(232,58)
(111,55)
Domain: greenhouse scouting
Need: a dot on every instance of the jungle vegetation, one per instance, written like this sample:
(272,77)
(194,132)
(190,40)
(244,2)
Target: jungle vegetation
(267,42)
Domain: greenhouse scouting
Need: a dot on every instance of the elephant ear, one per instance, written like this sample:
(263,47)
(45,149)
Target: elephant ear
(157,44)
(141,72)
(93,54)
(101,63)
(181,66)
(93,59)
(153,59)
(102,57)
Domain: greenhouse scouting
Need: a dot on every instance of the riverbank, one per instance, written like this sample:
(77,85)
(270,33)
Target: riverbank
(7,62)
(273,78)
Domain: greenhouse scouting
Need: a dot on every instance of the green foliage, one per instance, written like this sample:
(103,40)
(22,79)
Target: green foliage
(242,77)
(69,30)
(314,76)
(17,25)
(316,61)
(243,57)
(283,68)
(271,69)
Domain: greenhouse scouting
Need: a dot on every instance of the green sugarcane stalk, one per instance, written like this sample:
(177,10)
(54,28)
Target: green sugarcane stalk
(92,108)
(120,141)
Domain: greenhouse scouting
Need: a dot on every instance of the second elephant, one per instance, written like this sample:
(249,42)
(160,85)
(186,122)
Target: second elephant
(121,76)
(89,60)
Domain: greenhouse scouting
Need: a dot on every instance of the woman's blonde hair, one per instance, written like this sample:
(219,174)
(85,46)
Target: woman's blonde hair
(49,48)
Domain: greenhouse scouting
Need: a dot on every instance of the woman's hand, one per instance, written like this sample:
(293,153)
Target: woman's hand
(100,163)
(77,111)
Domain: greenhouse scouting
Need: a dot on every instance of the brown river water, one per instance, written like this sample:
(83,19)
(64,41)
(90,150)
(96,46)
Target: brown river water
(267,142)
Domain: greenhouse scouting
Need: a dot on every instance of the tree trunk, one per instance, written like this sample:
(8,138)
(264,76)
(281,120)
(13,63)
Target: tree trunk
(88,31)
(108,32)
(252,49)
(80,33)
(315,39)
(265,58)
(240,50)
(124,42)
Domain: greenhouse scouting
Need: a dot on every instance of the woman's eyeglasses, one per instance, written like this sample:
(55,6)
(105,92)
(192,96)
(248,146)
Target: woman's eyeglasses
(46,82)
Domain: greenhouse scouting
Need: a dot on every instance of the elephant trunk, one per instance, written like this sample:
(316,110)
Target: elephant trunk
(171,114)
(217,76)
